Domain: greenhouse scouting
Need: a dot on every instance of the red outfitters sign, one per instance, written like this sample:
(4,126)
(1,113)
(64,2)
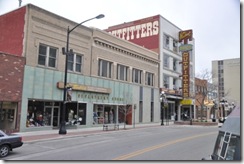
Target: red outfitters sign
(185,74)
(144,32)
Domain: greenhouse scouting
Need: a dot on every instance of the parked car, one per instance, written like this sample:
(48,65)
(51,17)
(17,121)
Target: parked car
(228,142)
(8,143)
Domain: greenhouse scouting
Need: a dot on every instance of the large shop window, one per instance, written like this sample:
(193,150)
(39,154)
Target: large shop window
(8,115)
(76,113)
(104,114)
(47,56)
(41,113)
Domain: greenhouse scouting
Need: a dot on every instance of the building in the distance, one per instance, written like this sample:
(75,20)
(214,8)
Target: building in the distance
(226,75)
(161,36)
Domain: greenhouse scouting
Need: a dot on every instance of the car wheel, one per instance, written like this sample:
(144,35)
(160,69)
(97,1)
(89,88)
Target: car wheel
(4,150)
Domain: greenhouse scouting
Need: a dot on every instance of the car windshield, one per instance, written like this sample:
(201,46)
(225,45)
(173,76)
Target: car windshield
(227,147)
(1,134)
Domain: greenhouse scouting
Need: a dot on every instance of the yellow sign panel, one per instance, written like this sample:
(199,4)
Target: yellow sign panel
(186,102)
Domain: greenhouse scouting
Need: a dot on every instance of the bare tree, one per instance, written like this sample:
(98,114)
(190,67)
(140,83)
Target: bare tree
(209,83)
(207,87)
(127,108)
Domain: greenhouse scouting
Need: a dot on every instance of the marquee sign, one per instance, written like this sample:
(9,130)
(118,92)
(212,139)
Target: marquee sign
(87,88)
(185,35)
(185,48)
(185,74)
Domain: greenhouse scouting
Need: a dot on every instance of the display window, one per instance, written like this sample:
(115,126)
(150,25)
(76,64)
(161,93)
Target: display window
(76,113)
(104,114)
(42,113)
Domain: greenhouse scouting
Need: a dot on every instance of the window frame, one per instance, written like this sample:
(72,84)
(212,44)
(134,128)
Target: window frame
(149,79)
(47,56)
(137,80)
(123,68)
(73,62)
(102,64)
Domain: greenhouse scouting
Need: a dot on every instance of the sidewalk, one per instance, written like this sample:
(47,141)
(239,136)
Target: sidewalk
(54,134)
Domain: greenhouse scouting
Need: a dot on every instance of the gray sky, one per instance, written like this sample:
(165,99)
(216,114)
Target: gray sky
(215,23)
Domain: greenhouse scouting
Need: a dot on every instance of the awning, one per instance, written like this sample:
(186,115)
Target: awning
(174,97)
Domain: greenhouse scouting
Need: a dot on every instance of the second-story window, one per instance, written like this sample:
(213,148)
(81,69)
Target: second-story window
(166,81)
(104,68)
(149,78)
(137,74)
(166,61)
(122,72)
(175,46)
(166,41)
(47,56)
(74,62)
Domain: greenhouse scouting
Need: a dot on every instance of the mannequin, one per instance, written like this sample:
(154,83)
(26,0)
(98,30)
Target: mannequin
(71,115)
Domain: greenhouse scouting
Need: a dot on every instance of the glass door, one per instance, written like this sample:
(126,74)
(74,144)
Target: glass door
(51,116)
(56,114)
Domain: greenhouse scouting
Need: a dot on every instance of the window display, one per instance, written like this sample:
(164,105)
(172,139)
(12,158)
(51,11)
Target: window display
(42,113)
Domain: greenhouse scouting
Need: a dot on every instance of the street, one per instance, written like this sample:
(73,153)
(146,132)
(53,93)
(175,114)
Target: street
(181,142)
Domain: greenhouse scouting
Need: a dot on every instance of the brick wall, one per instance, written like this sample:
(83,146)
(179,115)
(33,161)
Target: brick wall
(11,77)
(12,31)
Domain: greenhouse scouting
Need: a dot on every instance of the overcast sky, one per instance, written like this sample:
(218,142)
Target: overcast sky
(215,23)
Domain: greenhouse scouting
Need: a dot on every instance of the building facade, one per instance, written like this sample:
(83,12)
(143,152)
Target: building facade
(226,75)
(107,74)
(161,36)
(11,82)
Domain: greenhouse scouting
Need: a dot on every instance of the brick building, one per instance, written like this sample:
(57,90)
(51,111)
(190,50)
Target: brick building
(11,82)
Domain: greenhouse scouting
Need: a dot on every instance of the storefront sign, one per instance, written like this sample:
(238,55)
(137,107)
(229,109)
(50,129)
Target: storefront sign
(185,74)
(143,32)
(185,35)
(87,88)
(137,31)
(185,47)
(186,102)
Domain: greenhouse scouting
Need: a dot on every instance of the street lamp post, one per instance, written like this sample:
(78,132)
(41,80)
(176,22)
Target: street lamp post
(222,102)
(164,103)
(62,129)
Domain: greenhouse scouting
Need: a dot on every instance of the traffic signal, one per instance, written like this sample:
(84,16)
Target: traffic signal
(69,94)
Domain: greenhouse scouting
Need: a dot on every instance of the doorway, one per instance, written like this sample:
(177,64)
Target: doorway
(51,116)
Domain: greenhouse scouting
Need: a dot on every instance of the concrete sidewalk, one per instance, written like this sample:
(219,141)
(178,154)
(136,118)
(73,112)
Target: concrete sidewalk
(54,134)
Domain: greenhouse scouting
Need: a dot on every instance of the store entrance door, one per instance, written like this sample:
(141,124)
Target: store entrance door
(51,116)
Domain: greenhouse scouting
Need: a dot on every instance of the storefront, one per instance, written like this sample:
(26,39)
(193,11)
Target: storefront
(8,115)
(187,109)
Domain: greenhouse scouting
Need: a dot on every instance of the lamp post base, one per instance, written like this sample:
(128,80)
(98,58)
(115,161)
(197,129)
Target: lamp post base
(62,129)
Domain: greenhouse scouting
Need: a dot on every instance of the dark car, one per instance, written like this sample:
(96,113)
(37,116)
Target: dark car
(228,142)
(8,143)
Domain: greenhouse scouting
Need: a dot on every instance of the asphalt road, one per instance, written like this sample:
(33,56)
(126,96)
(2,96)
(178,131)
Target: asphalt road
(155,143)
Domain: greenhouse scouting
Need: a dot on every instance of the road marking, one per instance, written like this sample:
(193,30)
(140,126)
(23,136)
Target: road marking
(136,153)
